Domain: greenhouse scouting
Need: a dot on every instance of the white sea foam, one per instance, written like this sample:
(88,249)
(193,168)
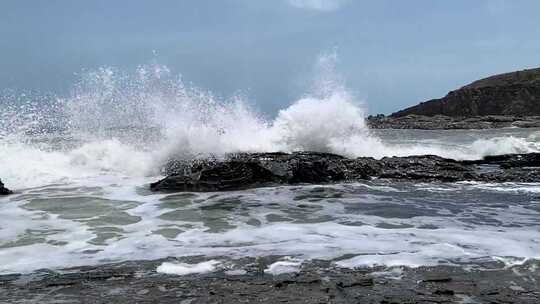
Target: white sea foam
(235,272)
(511,261)
(288,265)
(373,246)
(185,269)
(25,166)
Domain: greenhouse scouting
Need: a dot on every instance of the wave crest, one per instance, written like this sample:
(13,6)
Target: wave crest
(129,124)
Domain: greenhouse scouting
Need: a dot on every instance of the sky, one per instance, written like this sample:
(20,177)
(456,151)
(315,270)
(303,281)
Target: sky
(390,53)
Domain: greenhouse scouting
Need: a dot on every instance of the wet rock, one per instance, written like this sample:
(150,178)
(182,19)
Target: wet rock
(353,281)
(3,190)
(444,292)
(513,160)
(443,122)
(437,279)
(312,285)
(248,170)
(425,168)
(241,171)
(218,176)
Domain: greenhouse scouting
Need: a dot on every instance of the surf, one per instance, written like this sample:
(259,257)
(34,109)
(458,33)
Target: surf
(130,123)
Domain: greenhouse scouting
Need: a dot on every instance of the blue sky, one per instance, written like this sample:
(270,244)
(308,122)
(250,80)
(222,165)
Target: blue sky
(392,53)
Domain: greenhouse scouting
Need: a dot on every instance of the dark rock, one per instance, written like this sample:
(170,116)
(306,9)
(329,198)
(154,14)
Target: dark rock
(442,122)
(437,279)
(524,175)
(219,176)
(352,281)
(425,168)
(444,292)
(119,284)
(512,160)
(248,170)
(240,171)
(514,94)
(3,190)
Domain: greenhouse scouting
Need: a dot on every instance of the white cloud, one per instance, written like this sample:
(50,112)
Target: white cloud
(318,5)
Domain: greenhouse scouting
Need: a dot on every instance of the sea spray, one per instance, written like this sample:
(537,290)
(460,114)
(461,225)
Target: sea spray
(129,124)
(81,164)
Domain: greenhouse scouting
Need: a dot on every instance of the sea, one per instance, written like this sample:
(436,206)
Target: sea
(81,164)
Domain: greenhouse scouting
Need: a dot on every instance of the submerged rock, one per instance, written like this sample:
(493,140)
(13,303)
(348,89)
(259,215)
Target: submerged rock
(249,170)
(3,190)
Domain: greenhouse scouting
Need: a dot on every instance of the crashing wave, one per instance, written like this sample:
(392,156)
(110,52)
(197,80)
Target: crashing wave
(129,124)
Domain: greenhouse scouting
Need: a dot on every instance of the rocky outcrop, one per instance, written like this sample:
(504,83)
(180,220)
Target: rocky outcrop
(442,122)
(512,94)
(241,171)
(3,190)
(248,170)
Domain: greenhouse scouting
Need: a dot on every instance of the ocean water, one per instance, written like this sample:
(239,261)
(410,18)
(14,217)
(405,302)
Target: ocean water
(81,166)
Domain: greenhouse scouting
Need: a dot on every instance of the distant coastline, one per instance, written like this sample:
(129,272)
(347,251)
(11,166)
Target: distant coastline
(499,101)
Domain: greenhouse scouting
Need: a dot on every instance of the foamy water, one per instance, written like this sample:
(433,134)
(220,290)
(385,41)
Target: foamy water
(81,165)
(101,221)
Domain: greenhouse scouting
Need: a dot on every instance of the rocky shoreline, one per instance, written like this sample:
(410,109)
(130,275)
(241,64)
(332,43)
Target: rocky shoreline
(249,170)
(499,101)
(316,282)
(513,94)
(442,122)
(3,190)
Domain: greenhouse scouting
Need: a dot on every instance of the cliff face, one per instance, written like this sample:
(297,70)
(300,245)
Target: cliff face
(516,93)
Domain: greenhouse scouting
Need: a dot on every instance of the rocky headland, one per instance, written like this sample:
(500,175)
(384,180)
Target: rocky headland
(249,170)
(505,100)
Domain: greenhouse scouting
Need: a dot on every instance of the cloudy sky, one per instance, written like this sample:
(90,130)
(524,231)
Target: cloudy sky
(390,53)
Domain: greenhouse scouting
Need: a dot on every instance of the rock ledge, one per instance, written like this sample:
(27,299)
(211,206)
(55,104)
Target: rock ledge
(250,170)
(442,122)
